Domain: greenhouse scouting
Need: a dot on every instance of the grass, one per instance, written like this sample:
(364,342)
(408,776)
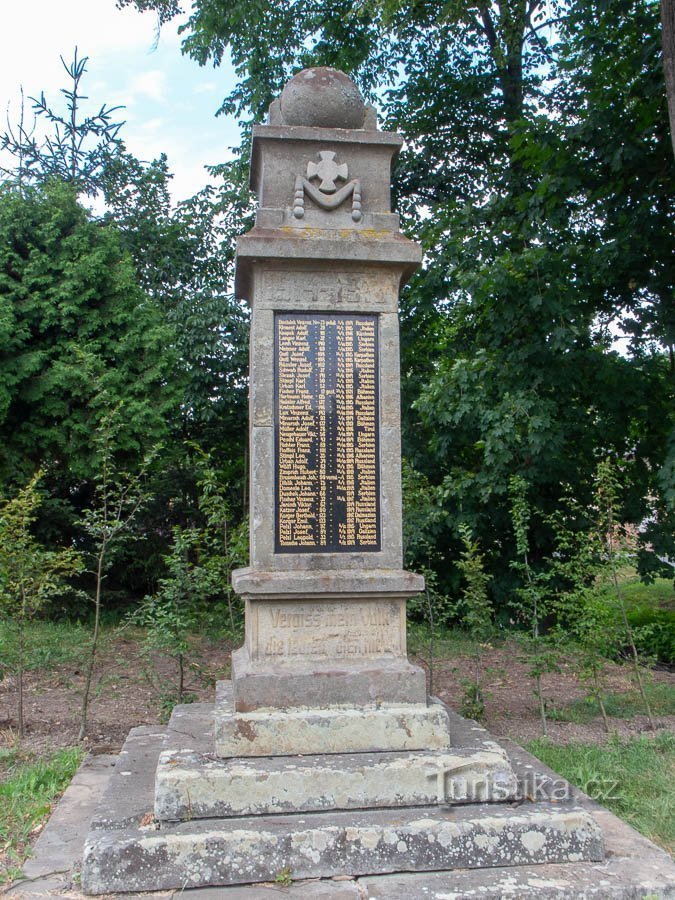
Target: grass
(50,644)
(448,642)
(635,778)
(661,698)
(661,593)
(28,789)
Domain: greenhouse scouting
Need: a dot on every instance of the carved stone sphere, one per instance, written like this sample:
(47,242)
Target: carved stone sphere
(324,98)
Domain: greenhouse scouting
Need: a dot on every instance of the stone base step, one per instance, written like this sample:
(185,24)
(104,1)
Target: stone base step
(240,851)
(195,786)
(279,732)
(319,683)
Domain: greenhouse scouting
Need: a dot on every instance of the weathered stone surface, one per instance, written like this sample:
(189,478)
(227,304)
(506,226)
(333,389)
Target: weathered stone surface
(234,851)
(136,765)
(328,583)
(633,868)
(322,97)
(617,879)
(278,732)
(286,150)
(322,683)
(365,246)
(282,286)
(191,728)
(59,846)
(338,630)
(191,785)
(325,603)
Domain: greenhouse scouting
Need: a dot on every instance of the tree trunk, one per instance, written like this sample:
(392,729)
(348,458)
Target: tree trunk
(181,677)
(22,657)
(668,37)
(19,676)
(598,696)
(635,656)
(542,706)
(94,645)
(432,640)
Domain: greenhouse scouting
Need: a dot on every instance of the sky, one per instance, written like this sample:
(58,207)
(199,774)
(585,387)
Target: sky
(170,102)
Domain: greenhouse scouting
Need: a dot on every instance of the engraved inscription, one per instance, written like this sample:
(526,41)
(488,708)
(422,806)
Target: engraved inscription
(355,291)
(326,432)
(336,630)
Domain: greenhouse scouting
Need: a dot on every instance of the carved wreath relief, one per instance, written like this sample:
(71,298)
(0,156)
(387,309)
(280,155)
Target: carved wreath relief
(327,195)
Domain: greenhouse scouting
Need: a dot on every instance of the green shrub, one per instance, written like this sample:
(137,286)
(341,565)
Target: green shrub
(655,632)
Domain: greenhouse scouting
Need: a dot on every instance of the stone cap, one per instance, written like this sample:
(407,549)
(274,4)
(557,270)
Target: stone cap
(386,248)
(327,584)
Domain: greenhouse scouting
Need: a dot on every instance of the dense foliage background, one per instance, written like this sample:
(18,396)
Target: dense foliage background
(538,337)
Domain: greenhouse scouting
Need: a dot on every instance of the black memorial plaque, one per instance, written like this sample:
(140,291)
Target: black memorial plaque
(326,431)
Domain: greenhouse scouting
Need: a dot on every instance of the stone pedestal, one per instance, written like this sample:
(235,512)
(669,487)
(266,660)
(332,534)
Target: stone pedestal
(238,821)
(325,639)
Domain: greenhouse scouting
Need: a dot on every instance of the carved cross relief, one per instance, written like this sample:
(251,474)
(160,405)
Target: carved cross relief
(327,195)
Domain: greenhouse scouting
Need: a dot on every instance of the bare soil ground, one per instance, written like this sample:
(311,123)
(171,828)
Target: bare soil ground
(511,709)
(124,697)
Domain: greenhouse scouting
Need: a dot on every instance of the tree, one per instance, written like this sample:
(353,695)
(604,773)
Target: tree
(118,497)
(621,156)
(76,148)
(534,596)
(170,615)
(150,324)
(668,26)
(29,575)
(184,261)
(76,332)
(534,177)
(476,617)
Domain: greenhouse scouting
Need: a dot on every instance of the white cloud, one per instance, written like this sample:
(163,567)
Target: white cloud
(151,84)
(36,32)
(169,101)
(206,87)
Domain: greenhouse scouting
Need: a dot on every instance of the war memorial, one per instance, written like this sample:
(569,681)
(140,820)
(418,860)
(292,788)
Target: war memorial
(324,756)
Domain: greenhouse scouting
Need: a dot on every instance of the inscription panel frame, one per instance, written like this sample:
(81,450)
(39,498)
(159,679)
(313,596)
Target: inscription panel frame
(334,546)
(376,630)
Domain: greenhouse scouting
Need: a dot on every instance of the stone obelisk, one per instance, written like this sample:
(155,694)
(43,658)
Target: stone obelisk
(325,593)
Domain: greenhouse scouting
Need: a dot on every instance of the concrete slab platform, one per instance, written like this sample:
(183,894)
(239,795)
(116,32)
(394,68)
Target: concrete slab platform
(57,853)
(143,856)
(237,851)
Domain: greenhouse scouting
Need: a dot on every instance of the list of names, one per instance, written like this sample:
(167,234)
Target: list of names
(326,431)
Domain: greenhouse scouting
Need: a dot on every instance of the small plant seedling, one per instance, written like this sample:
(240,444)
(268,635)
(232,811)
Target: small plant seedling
(284,877)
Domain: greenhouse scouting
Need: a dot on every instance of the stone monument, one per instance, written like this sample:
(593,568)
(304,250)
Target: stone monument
(325,592)
(324,755)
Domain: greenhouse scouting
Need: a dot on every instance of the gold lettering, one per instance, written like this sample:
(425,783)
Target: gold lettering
(326,431)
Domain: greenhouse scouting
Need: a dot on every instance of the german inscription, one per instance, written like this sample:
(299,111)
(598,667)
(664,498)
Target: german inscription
(336,630)
(326,433)
(365,290)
